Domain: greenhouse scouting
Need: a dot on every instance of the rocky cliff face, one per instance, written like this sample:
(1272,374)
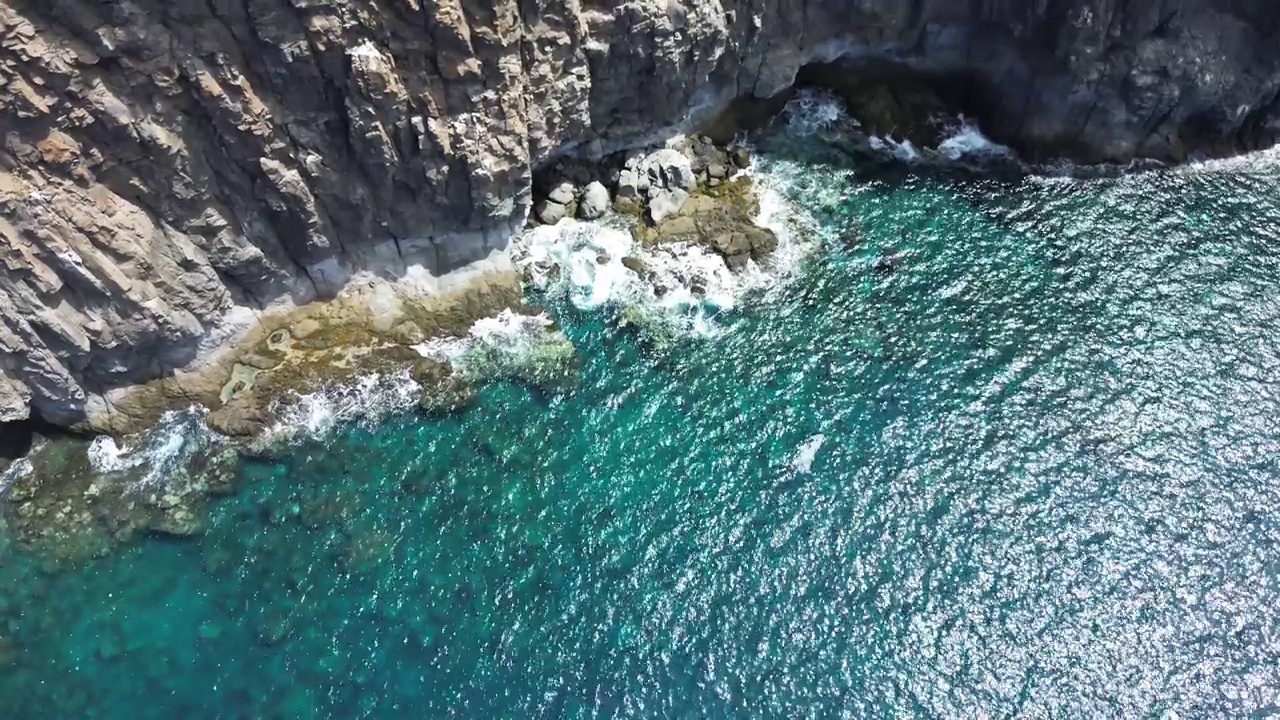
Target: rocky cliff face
(172,168)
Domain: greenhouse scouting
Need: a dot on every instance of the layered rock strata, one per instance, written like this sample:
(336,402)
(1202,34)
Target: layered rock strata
(172,170)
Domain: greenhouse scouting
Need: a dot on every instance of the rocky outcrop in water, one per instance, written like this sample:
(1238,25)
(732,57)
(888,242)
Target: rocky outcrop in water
(172,169)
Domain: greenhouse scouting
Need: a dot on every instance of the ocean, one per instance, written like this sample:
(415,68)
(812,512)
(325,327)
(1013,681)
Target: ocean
(979,443)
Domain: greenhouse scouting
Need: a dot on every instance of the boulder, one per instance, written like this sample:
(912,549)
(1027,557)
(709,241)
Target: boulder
(595,202)
(670,168)
(550,212)
(632,184)
(243,416)
(636,265)
(667,203)
(721,220)
(563,193)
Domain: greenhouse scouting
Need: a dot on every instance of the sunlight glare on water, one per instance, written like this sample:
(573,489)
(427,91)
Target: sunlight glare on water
(1000,448)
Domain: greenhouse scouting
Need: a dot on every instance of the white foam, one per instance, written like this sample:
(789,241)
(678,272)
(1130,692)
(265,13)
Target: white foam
(584,262)
(901,150)
(17,470)
(966,141)
(106,456)
(503,344)
(798,233)
(369,398)
(812,111)
(1259,161)
(580,259)
(157,457)
(494,345)
(807,453)
(509,328)
(685,288)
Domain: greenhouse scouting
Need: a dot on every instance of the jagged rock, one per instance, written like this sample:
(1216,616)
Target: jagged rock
(636,265)
(408,333)
(551,212)
(721,219)
(244,416)
(594,203)
(178,522)
(172,167)
(740,244)
(669,169)
(632,184)
(15,399)
(666,203)
(563,194)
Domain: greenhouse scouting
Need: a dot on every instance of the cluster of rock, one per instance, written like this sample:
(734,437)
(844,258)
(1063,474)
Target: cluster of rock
(565,200)
(67,509)
(693,191)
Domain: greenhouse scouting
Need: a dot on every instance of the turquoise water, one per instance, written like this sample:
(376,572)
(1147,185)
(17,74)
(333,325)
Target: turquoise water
(1043,428)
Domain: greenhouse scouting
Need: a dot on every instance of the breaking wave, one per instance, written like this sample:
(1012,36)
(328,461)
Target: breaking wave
(679,288)
(598,264)
(813,111)
(802,462)
(316,414)
(157,458)
(1258,162)
(966,142)
(495,347)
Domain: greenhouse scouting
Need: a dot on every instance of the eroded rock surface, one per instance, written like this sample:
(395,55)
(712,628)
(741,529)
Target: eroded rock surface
(170,168)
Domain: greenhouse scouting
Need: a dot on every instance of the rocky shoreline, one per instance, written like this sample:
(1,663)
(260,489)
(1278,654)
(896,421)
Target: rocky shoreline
(170,171)
(229,208)
(238,403)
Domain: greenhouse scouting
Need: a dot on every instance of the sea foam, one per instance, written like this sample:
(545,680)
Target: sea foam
(966,141)
(679,286)
(807,453)
(156,458)
(813,111)
(369,398)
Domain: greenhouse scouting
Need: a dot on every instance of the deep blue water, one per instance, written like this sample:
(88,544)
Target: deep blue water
(1044,483)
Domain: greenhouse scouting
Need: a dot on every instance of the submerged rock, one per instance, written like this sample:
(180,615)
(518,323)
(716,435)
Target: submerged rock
(82,499)
(444,391)
(9,652)
(636,265)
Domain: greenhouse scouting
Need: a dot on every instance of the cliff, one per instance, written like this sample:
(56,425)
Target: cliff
(171,169)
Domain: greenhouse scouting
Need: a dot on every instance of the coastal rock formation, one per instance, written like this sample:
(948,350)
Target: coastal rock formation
(173,170)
